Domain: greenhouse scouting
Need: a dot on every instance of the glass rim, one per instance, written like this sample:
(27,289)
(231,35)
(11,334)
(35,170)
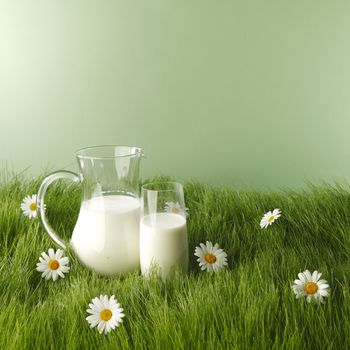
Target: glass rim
(134,151)
(173,183)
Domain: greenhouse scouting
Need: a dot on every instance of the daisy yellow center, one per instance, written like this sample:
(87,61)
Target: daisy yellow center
(53,264)
(271,218)
(311,288)
(175,210)
(210,258)
(32,206)
(106,314)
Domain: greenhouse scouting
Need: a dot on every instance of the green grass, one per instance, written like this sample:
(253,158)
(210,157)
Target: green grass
(250,305)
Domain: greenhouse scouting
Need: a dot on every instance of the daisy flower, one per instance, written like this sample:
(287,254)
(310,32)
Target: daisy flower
(175,208)
(269,218)
(29,206)
(105,313)
(210,258)
(310,286)
(53,264)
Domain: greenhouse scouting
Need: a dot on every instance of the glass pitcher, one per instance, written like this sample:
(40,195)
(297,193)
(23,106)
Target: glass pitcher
(106,234)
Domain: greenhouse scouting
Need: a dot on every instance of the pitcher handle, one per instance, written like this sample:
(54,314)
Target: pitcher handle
(63,174)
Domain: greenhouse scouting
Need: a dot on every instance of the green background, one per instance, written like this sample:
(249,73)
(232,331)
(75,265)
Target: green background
(245,93)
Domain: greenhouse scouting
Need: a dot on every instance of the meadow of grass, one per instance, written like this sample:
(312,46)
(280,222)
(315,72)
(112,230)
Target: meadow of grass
(250,305)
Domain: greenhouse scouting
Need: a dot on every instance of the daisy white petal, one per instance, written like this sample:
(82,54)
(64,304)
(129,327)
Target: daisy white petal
(301,276)
(29,206)
(324,293)
(307,274)
(209,267)
(276,213)
(98,302)
(269,218)
(52,265)
(210,258)
(298,282)
(201,247)
(54,275)
(106,313)
(45,273)
(308,285)
(93,322)
(48,275)
(52,254)
(101,327)
(175,208)
(64,269)
(209,246)
(60,273)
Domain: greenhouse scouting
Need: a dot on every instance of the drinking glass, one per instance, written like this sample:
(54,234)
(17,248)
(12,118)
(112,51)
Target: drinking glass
(163,229)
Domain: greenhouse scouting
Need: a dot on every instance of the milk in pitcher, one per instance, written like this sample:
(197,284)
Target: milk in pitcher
(106,236)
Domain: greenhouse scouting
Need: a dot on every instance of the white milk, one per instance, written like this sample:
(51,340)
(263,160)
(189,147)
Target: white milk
(163,242)
(106,235)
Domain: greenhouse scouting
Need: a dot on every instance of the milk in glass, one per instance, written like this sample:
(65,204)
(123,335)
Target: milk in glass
(163,243)
(106,235)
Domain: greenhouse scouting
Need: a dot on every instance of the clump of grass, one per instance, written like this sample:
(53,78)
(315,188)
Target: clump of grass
(250,305)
